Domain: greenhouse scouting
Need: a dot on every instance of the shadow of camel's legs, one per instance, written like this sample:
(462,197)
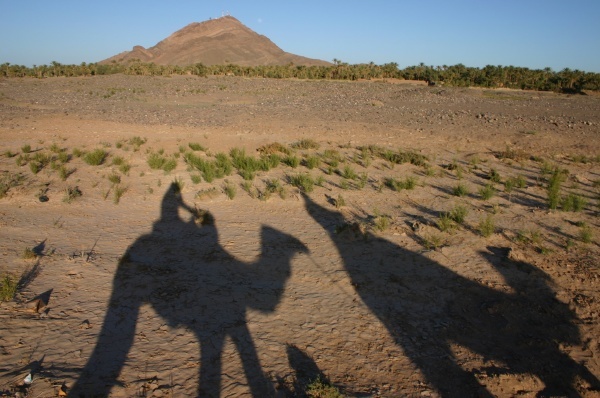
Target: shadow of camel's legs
(114,342)
(210,365)
(259,384)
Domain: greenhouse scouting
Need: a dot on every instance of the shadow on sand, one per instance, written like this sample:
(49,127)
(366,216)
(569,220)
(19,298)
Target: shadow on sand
(430,311)
(183,272)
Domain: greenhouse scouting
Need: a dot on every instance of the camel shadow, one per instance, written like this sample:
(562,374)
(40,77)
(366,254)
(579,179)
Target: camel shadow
(430,311)
(182,271)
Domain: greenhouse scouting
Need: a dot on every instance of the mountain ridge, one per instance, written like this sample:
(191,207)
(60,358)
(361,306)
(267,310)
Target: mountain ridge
(217,41)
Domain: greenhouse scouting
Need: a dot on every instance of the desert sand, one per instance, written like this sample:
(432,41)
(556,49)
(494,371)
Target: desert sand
(353,281)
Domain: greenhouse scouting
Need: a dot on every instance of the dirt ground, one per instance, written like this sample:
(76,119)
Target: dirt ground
(127,291)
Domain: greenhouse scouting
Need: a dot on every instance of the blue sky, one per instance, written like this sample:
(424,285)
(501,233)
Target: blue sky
(529,33)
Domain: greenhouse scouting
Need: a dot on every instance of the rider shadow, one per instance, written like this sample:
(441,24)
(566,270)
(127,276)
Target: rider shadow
(431,311)
(182,271)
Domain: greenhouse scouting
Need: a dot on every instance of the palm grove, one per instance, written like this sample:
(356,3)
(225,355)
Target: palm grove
(490,76)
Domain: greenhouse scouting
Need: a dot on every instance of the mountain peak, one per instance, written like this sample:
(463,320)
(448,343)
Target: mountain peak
(221,40)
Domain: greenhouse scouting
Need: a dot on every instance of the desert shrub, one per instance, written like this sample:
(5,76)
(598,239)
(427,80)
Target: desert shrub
(553,189)
(312,161)
(63,157)
(26,148)
(29,254)
(229,190)
(445,222)
(487,226)
(348,173)
(196,178)
(96,157)
(494,176)
(137,141)
(460,190)
(169,165)
(382,222)
(8,288)
(114,178)
(8,181)
(72,193)
(64,172)
(78,152)
(118,192)
(585,234)
(273,148)
(194,146)
(117,161)
(270,161)
(302,181)
(432,241)
(410,183)
(458,214)
(207,193)
(487,192)
(573,202)
(292,161)
(156,161)
(250,189)
(305,143)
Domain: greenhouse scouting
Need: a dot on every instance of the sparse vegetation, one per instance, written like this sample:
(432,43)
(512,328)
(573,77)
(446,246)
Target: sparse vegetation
(460,190)
(96,157)
(71,193)
(487,226)
(8,288)
(302,181)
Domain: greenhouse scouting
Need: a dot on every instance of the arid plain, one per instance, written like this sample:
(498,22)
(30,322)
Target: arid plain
(400,242)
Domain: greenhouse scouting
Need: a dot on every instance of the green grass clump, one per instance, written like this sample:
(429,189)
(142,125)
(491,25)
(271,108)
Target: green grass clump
(64,172)
(275,186)
(194,146)
(332,157)
(348,173)
(230,190)
(573,202)
(445,222)
(29,254)
(292,161)
(305,143)
(78,152)
(397,185)
(494,176)
(118,192)
(585,233)
(303,181)
(26,148)
(487,192)
(322,389)
(156,161)
(196,178)
(312,162)
(8,288)
(169,165)
(460,190)
(553,189)
(458,214)
(96,157)
(114,178)
(487,226)
(137,142)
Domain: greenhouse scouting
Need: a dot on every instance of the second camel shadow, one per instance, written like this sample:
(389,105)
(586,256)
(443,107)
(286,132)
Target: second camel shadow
(429,309)
(182,271)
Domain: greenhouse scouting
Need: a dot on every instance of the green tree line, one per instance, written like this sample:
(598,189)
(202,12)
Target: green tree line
(566,80)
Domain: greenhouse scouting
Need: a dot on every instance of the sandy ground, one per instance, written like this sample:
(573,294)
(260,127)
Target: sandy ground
(138,298)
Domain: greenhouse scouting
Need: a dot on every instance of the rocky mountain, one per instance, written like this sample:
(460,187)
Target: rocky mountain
(217,41)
